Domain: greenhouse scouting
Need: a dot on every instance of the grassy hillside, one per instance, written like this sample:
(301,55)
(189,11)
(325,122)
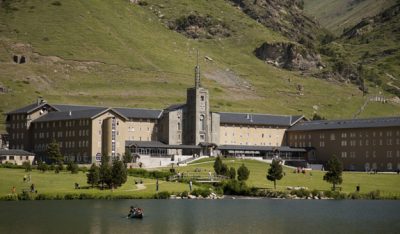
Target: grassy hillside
(114,53)
(336,15)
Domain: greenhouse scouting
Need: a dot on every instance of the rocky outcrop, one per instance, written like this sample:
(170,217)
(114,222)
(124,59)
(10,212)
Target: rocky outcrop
(284,16)
(198,26)
(288,56)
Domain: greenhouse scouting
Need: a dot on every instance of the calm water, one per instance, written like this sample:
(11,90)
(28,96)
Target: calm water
(201,216)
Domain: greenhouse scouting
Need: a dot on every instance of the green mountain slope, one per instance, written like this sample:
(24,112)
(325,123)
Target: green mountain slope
(114,53)
(337,15)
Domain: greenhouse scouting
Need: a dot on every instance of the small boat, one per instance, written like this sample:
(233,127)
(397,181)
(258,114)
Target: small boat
(136,214)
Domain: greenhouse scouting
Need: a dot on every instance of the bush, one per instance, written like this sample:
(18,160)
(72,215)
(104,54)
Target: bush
(234,187)
(204,192)
(25,196)
(73,167)
(27,166)
(11,166)
(184,194)
(374,195)
(162,195)
(301,193)
(138,172)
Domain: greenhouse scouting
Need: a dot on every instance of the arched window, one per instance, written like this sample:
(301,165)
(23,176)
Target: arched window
(202,123)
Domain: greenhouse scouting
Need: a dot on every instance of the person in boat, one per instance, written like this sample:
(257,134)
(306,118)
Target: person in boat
(131,211)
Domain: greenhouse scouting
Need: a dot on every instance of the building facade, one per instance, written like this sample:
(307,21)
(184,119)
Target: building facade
(84,133)
(361,144)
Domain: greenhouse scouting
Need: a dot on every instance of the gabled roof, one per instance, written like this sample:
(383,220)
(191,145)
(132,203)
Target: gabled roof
(15,152)
(31,108)
(134,113)
(80,114)
(62,107)
(346,123)
(175,107)
(259,119)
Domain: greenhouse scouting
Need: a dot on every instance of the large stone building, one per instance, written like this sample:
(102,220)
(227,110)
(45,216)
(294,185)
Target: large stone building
(361,144)
(180,131)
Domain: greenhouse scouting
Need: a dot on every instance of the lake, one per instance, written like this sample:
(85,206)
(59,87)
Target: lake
(201,216)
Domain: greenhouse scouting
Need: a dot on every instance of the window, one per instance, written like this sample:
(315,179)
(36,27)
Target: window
(344,154)
(366,154)
(389,154)
(332,137)
(322,144)
(389,166)
(352,154)
(202,98)
(344,135)
(389,141)
(344,143)
(179,127)
(202,123)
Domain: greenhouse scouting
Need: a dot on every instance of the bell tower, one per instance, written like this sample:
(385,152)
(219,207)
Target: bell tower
(198,112)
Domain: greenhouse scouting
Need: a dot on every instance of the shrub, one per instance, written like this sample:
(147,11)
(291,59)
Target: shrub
(184,194)
(301,193)
(25,196)
(73,167)
(162,195)
(204,192)
(376,194)
(234,187)
(27,166)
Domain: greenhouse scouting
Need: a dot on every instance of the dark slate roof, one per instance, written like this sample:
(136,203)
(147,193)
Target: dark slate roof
(29,108)
(158,144)
(175,107)
(63,108)
(346,124)
(15,152)
(258,119)
(82,114)
(133,113)
(259,148)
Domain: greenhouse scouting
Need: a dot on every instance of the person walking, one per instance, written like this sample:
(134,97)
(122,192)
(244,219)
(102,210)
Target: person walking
(157,185)
(190,186)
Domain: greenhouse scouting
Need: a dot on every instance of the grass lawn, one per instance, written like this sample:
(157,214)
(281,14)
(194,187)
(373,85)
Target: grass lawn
(386,183)
(63,183)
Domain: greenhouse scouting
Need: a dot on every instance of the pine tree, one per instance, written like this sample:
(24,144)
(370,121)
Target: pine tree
(93,176)
(232,173)
(53,152)
(127,158)
(334,173)
(105,171)
(275,172)
(119,174)
(243,173)
(218,165)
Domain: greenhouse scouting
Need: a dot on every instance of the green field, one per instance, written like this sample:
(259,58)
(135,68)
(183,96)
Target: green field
(52,184)
(113,53)
(63,183)
(386,183)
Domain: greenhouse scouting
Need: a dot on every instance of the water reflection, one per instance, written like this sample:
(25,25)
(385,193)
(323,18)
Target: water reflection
(201,216)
